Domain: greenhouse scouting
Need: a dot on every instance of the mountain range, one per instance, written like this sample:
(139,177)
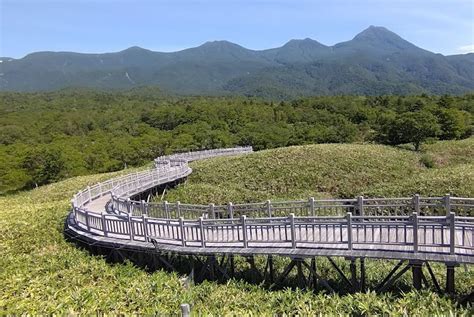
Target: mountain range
(376,61)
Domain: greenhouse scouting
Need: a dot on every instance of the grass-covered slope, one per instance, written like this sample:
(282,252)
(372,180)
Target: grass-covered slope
(42,273)
(332,170)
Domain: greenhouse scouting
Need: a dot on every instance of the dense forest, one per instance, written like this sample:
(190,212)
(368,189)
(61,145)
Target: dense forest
(49,136)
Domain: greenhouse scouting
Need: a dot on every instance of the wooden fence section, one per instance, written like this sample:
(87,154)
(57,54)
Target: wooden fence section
(418,225)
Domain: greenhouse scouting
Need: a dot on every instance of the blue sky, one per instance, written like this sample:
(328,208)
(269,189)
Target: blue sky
(441,26)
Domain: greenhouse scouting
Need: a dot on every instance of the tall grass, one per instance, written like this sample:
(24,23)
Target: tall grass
(43,274)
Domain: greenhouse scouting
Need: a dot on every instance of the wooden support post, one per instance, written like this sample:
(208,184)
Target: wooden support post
(232,265)
(269,208)
(104,225)
(230,210)
(353,268)
(178,208)
(362,275)
(417,274)
(452,233)
(293,231)
(201,228)
(349,230)
(360,205)
(301,278)
(244,230)
(311,206)
(271,271)
(450,287)
(415,232)
(313,275)
(181,228)
(212,262)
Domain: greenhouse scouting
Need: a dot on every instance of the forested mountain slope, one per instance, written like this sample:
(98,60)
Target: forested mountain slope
(376,61)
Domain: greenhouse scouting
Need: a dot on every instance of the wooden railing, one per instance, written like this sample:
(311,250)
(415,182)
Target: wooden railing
(410,224)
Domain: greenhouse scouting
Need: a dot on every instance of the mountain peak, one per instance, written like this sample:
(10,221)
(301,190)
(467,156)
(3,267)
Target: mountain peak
(380,39)
(304,42)
(376,32)
(135,49)
(219,44)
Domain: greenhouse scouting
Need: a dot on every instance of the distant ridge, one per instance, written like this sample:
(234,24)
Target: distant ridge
(376,61)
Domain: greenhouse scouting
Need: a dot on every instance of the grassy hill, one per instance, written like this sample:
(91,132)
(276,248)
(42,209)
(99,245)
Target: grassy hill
(42,273)
(332,170)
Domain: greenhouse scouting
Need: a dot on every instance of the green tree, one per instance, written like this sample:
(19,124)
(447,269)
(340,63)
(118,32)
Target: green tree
(413,127)
(44,165)
(454,124)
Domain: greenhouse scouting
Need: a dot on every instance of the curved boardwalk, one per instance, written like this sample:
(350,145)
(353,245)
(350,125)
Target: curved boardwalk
(414,229)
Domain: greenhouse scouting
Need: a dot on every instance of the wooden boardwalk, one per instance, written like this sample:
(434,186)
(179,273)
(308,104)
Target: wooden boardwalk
(415,228)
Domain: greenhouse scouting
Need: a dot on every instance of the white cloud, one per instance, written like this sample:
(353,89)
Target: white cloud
(466,48)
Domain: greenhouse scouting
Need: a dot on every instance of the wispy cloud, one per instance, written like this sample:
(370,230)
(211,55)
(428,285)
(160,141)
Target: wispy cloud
(466,48)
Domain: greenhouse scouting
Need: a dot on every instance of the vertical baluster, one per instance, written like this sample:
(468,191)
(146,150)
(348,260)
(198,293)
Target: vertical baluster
(201,228)
(452,233)
(145,229)
(104,225)
(181,227)
(244,230)
(349,230)
(415,231)
(292,230)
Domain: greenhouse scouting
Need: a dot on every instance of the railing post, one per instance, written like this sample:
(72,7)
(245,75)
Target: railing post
(129,205)
(293,232)
(230,209)
(452,233)
(447,204)
(89,194)
(144,207)
(145,227)
(166,209)
(243,220)
(269,208)
(88,226)
(178,208)
(211,211)
(311,206)
(415,232)
(130,226)
(201,228)
(416,202)
(360,205)
(104,225)
(74,209)
(181,228)
(185,310)
(349,230)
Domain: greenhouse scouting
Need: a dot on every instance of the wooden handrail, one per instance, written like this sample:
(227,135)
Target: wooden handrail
(352,223)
